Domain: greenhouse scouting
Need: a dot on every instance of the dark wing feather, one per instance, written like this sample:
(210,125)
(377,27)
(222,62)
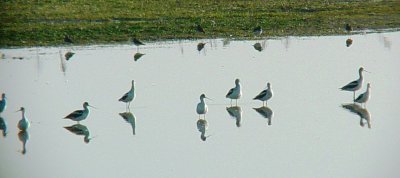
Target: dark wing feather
(229,92)
(259,96)
(123,97)
(350,85)
(74,114)
(359,97)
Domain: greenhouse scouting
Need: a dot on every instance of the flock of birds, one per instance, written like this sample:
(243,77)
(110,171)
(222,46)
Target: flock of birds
(202,108)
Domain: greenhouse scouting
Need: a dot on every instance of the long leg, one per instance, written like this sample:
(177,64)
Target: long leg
(354,95)
(236,102)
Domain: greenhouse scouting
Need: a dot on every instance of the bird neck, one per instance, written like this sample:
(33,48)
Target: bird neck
(237,85)
(202,100)
(23,115)
(86,108)
(133,87)
(361,75)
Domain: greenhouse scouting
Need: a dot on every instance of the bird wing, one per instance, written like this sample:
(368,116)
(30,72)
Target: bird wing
(230,92)
(124,97)
(350,85)
(75,114)
(359,97)
(262,94)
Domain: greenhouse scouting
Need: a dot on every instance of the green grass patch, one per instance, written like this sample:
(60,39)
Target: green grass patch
(44,23)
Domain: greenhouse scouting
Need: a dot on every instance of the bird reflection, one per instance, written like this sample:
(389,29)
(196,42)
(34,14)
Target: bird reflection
(68,55)
(235,112)
(258,47)
(63,64)
(200,46)
(131,119)
(362,112)
(202,126)
(80,129)
(137,56)
(226,42)
(23,136)
(386,41)
(3,126)
(266,112)
(349,42)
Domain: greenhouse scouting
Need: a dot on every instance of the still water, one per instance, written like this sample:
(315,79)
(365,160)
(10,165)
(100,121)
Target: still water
(309,128)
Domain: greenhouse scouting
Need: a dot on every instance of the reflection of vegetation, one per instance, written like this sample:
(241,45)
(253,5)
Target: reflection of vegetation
(47,22)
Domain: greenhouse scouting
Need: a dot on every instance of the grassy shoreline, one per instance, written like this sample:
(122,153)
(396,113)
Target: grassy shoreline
(32,23)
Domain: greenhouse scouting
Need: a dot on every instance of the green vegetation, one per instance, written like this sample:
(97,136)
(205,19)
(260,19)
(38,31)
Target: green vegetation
(43,23)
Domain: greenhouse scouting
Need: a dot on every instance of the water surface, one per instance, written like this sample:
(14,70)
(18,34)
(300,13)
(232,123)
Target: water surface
(310,134)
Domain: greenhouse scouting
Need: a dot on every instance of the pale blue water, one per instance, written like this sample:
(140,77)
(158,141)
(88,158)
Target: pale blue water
(310,135)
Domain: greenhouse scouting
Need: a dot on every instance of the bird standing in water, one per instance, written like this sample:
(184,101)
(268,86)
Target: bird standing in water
(265,95)
(79,115)
(356,84)
(23,124)
(235,93)
(363,98)
(202,106)
(129,96)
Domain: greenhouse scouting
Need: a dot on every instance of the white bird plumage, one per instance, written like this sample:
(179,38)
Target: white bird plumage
(129,96)
(265,95)
(24,123)
(235,93)
(202,107)
(79,115)
(356,84)
(364,97)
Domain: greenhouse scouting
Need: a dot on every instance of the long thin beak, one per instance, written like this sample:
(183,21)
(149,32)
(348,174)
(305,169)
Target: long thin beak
(18,110)
(366,71)
(92,106)
(209,98)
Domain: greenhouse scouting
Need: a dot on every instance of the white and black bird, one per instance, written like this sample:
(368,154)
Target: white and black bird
(79,115)
(236,92)
(356,84)
(202,107)
(265,95)
(364,97)
(129,96)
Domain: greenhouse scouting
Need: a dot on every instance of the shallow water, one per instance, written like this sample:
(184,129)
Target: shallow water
(310,133)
